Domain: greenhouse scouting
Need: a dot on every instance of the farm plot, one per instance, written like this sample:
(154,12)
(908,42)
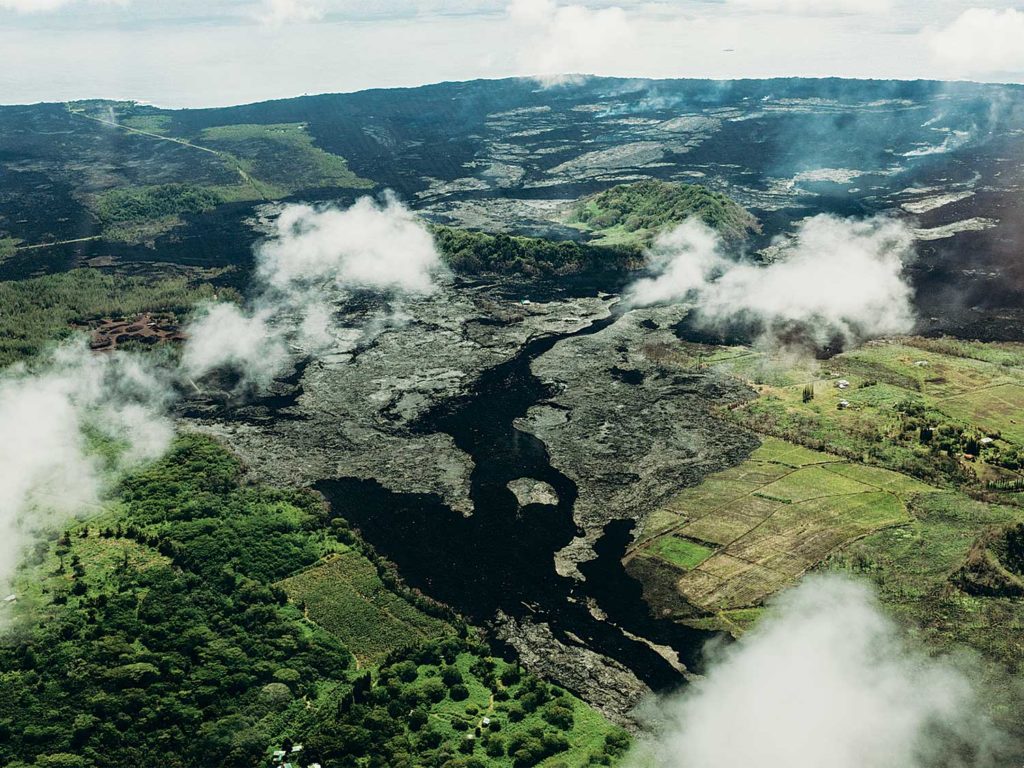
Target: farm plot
(345,596)
(748,531)
(998,409)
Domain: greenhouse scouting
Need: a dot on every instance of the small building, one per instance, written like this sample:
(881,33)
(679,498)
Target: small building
(279,755)
(843,405)
(986,441)
(11,599)
(486,721)
(920,363)
(296,748)
(525,302)
(843,384)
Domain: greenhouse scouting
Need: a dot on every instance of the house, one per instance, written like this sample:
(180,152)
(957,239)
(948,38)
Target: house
(920,363)
(986,441)
(843,405)
(10,598)
(525,302)
(296,748)
(843,384)
(486,721)
(279,755)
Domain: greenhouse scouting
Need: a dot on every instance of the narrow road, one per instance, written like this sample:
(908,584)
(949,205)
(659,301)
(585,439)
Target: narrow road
(225,157)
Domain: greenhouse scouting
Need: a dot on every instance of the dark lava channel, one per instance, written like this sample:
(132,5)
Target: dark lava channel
(501,557)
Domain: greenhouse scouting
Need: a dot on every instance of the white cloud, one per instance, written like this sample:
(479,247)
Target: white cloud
(568,39)
(45,6)
(835,276)
(981,41)
(825,679)
(379,247)
(51,467)
(125,54)
(313,256)
(277,12)
(815,7)
(226,336)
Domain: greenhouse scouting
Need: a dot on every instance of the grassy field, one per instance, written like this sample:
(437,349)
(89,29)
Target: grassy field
(279,159)
(345,596)
(913,483)
(914,568)
(998,408)
(748,531)
(236,163)
(947,412)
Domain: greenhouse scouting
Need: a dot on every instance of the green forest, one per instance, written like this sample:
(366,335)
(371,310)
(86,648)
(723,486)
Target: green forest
(36,312)
(159,634)
(475,253)
(636,213)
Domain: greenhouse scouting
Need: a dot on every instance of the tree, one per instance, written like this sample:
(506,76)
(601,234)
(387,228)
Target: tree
(451,675)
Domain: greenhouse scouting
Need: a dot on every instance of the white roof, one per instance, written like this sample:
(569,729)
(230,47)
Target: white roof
(10,598)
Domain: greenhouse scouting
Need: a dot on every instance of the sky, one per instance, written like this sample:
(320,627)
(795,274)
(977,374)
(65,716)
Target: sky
(189,53)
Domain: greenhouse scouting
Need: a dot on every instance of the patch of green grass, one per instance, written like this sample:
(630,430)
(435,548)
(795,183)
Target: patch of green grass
(680,552)
(8,247)
(912,410)
(992,409)
(159,124)
(281,158)
(809,483)
(777,451)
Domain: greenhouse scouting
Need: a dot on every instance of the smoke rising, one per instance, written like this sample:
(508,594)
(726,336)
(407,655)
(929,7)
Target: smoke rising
(313,257)
(825,679)
(68,425)
(833,278)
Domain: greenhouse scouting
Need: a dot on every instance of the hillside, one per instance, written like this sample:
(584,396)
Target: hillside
(636,213)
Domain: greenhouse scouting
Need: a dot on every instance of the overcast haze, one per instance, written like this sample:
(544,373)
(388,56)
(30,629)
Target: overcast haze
(191,53)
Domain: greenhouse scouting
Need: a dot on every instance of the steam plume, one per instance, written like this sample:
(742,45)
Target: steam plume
(825,680)
(79,419)
(835,277)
